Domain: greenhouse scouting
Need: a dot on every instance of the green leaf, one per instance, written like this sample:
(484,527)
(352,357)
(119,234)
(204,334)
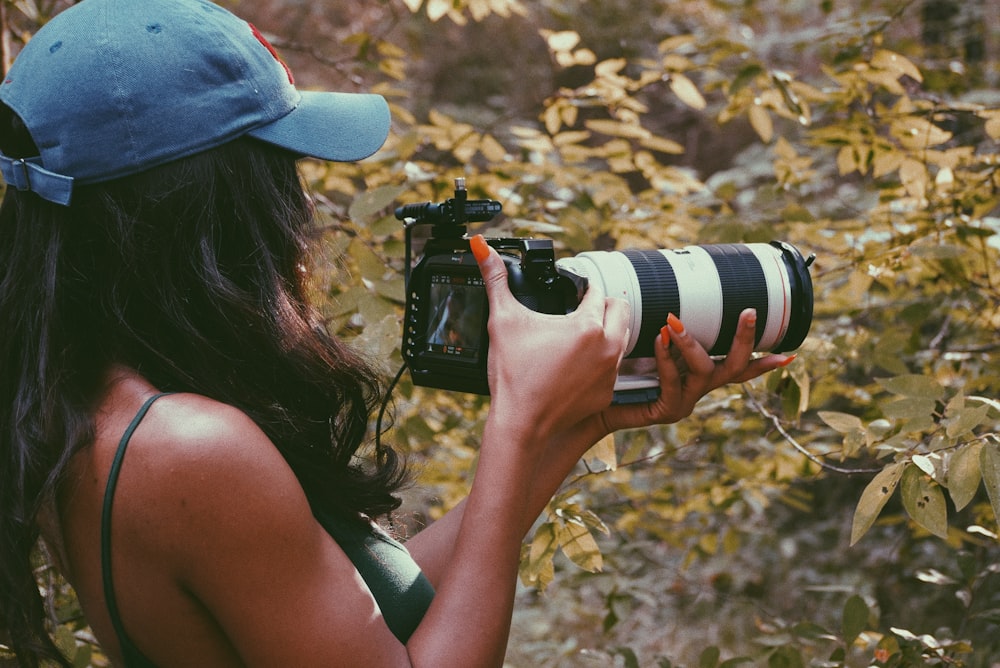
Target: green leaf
(65,640)
(924,501)
(853,429)
(381,338)
(964,474)
(744,77)
(854,620)
(370,204)
(874,498)
(909,407)
(628,654)
(786,657)
(843,423)
(965,420)
(372,266)
(709,657)
(735,661)
(989,465)
(83,657)
(913,385)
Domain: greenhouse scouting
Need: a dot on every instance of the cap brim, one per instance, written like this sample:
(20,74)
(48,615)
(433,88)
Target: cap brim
(331,126)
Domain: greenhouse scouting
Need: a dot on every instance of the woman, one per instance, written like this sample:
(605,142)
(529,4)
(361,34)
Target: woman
(177,426)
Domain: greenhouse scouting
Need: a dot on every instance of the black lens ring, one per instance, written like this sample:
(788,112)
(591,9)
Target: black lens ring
(744,285)
(658,294)
(801,295)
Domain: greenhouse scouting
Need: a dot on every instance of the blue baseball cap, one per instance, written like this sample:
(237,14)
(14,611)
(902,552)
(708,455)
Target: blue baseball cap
(109,88)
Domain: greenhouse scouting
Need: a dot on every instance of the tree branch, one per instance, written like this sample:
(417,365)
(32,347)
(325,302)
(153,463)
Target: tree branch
(776,422)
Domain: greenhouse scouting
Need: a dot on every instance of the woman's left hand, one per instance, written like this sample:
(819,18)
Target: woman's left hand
(687,373)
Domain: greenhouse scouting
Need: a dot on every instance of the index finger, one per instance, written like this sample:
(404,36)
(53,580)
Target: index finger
(593,298)
(617,313)
(493,269)
(743,343)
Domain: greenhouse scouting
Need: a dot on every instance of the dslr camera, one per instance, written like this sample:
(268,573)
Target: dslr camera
(445,339)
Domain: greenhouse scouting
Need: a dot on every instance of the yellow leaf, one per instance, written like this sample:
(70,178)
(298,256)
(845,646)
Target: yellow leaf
(709,543)
(993,125)
(617,129)
(913,176)
(604,451)
(761,122)
(889,60)
(675,42)
(568,114)
(439,119)
(784,150)
(536,568)
(552,118)
(438,8)
(662,145)
(491,149)
(562,40)
(610,67)
(579,545)
(846,161)
(886,162)
(413,5)
(584,57)
(565,59)
(674,63)
(919,133)
(466,148)
(544,544)
(885,79)
(687,92)
(570,137)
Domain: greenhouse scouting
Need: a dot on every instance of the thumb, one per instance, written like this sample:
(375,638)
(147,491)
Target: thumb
(493,269)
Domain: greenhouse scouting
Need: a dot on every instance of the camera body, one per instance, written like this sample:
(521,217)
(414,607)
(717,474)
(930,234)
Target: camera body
(444,334)
(445,339)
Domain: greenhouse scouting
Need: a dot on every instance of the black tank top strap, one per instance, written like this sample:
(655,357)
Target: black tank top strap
(132,657)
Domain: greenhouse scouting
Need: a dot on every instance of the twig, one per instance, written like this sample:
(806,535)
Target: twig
(776,421)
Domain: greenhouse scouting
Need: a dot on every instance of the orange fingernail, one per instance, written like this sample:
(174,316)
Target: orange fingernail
(675,323)
(480,249)
(665,336)
(791,358)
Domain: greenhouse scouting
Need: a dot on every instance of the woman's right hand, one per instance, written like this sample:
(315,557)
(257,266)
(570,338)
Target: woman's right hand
(549,371)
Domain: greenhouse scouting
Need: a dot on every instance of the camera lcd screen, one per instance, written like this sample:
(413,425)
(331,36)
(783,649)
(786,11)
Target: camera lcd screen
(456,315)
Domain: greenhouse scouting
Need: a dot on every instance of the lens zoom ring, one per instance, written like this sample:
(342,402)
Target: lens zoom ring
(744,285)
(658,295)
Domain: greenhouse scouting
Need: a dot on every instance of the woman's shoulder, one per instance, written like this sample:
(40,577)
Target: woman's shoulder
(130,398)
(174,429)
(191,461)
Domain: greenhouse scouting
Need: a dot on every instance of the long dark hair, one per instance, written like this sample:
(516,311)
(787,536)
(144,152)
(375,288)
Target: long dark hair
(191,273)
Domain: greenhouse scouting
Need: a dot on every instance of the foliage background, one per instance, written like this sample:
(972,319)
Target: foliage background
(841,512)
